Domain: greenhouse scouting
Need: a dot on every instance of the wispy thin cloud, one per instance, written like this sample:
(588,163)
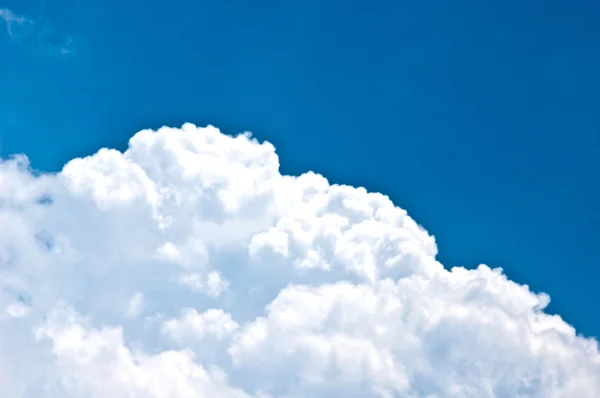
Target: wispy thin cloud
(40,33)
(11,18)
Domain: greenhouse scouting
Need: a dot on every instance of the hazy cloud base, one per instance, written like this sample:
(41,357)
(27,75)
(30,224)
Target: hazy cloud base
(188,266)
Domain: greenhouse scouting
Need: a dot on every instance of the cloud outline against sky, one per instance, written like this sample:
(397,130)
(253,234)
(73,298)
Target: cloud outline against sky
(189,266)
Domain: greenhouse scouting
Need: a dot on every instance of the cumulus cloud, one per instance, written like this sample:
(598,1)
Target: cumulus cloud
(189,266)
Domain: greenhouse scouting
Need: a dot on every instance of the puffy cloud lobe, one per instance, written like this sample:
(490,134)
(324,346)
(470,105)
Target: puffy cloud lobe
(189,266)
(197,326)
(96,363)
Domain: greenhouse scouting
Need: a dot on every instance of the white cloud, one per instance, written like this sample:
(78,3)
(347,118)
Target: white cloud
(11,19)
(193,325)
(96,363)
(135,305)
(189,266)
(38,33)
(212,285)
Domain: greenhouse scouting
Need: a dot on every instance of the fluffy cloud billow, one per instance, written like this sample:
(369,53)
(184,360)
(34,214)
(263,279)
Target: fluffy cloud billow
(188,266)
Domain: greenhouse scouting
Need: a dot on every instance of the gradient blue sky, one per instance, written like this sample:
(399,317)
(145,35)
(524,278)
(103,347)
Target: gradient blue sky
(480,118)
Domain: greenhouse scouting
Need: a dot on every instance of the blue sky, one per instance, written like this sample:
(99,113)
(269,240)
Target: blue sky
(480,118)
